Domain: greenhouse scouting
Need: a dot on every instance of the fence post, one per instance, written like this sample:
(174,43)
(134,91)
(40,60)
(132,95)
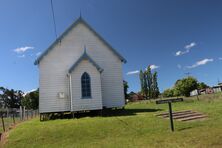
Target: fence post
(7,112)
(3,124)
(20,112)
(24,115)
(13,115)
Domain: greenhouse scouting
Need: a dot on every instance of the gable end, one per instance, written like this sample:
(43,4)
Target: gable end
(79,20)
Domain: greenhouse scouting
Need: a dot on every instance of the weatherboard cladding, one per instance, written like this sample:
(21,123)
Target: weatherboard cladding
(79,20)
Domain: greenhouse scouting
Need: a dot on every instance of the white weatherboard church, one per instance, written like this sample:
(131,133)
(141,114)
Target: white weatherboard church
(80,71)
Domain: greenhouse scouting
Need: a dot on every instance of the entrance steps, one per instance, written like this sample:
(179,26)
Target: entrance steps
(187,115)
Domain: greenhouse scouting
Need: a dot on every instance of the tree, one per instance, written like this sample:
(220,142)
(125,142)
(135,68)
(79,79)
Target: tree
(31,100)
(148,74)
(155,89)
(168,93)
(149,84)
(183,87)
(125,86)
(202,85)
(2,104)
(176,92)
(145,85)
(142,82)
(11,98)
(186,85)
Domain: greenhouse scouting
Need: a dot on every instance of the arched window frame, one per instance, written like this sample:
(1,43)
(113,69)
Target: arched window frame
(86,86)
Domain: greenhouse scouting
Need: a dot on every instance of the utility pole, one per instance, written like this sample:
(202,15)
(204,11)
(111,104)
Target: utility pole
(218,81)
(187,73)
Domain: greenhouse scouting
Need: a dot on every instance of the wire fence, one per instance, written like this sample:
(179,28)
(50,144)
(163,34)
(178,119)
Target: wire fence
(11,116)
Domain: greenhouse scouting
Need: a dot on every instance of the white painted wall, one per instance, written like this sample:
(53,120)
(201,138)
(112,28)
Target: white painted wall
(217,89)
(194,92)
(54,68)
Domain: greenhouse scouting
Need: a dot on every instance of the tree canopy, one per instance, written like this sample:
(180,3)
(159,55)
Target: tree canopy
(183,87)
(10,98)
(15,98)
(202,85)
(186,85)
(31,100)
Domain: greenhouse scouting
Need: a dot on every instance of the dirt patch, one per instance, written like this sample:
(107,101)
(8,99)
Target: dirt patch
(4,135)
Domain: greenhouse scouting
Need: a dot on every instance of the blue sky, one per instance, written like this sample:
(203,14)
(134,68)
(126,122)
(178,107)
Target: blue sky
(175,36)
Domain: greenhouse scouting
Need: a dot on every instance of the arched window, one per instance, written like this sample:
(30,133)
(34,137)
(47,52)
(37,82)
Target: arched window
(86,86)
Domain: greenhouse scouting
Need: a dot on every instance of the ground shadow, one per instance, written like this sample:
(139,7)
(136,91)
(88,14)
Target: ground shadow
(185,128)
(126,112)
(102,113)
(114,112)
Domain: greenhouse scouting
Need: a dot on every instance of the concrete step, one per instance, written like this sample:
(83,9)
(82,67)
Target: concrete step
(174,112)
(187,116)
(193,118)
(180,114)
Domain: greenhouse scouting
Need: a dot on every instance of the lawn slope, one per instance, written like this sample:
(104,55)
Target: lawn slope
(137,126)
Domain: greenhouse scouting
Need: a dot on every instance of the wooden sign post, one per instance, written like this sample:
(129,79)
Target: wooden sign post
(169,101)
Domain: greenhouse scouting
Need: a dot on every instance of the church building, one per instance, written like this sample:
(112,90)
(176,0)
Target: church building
(80,71)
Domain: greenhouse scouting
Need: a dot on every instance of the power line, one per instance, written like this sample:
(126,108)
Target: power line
(53,16)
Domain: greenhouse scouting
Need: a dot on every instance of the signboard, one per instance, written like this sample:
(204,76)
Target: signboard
(169,100)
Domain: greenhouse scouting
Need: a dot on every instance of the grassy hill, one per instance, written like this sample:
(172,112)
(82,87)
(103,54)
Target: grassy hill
(137,126)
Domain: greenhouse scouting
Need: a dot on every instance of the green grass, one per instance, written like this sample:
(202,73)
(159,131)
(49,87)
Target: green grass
(136,127)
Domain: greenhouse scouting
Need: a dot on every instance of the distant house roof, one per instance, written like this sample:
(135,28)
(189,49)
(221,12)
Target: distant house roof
(85,56)
(217,86)
(79,20)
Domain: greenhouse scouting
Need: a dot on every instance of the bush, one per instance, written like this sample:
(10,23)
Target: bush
(185,86)
(168,93)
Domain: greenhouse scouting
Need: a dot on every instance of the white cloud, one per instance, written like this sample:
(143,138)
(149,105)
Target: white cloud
(179,53)
(152,67)
(22,49)
(179,66)
(199,63)
(21,56)
(191,45)
(38,54)
(220,58)
(187,47)
(25,93)
(132,72)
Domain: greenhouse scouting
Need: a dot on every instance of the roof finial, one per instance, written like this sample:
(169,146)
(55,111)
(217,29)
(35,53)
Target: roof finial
(80,14)
(84,48)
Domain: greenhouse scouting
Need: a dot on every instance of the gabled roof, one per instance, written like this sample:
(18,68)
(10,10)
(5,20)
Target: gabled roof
(79,20)
(85,56)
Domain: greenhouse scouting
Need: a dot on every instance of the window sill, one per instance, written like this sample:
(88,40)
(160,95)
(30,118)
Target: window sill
(86,98)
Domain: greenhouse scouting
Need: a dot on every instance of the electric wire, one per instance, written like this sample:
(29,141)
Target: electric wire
(53,16)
